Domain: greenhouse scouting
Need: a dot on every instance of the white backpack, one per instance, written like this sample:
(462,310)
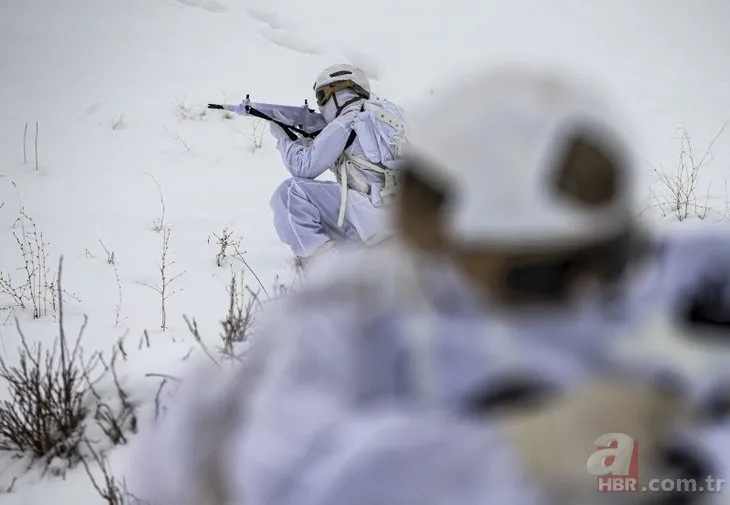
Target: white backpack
(349,167)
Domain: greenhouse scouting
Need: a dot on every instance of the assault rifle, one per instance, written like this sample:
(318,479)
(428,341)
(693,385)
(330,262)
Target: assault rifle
(293,120)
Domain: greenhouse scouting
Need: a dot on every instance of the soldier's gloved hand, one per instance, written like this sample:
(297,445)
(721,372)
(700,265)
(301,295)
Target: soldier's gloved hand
(277,131)
(348,114)
(556,440)
(239,109)
(281,117)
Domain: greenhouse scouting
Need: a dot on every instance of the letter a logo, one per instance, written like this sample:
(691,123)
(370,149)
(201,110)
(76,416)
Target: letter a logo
(615,463)
(614,456)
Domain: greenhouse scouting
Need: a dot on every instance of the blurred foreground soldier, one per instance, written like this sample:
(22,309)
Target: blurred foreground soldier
(470,361)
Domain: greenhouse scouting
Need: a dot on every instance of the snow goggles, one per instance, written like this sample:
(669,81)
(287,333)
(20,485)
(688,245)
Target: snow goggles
(324,93)
(552,277)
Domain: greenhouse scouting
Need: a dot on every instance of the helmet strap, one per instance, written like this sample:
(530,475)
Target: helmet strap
(340,108)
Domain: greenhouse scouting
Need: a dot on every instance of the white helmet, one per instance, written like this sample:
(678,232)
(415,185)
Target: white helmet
(496,141)
(341,76)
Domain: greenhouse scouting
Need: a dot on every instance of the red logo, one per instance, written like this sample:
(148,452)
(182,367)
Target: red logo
(615,463)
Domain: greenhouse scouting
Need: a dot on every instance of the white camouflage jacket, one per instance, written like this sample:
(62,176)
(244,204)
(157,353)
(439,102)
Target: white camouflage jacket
(356,385)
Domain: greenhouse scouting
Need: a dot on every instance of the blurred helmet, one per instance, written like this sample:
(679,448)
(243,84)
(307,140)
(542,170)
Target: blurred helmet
(338,77)
(527,157)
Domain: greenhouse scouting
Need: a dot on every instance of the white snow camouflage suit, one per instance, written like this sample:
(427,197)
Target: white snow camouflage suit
(353,389)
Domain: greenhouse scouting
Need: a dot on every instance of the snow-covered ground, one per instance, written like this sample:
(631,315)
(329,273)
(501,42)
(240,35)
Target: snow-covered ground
(118,89)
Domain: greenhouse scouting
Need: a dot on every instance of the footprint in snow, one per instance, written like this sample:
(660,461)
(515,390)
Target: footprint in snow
(94,107)
(271,19)
(291,42)
(208,5)
(276,32)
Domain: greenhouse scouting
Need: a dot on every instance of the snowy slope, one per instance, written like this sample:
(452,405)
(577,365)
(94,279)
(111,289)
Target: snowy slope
(117,88)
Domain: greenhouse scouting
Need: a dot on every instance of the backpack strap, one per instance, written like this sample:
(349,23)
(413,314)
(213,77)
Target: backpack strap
(387,173)
(347,164)
(380,114)
(350,139)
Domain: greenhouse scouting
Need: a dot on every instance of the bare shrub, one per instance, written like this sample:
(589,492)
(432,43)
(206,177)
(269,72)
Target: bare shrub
(115,421)
(225,113)
(187,112)
(111,260)
(163,287)
(35,142)
(195,332)
(35,290)
(177,138)
(160,408)
(678,191)
(86,254)
(300,265)
(238,254)
(110,256)
(118,123)
(225,241)
(257,133)
(51,394)
(158,224)
(280,289)
(111,490)
(238,324)
(45,412)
